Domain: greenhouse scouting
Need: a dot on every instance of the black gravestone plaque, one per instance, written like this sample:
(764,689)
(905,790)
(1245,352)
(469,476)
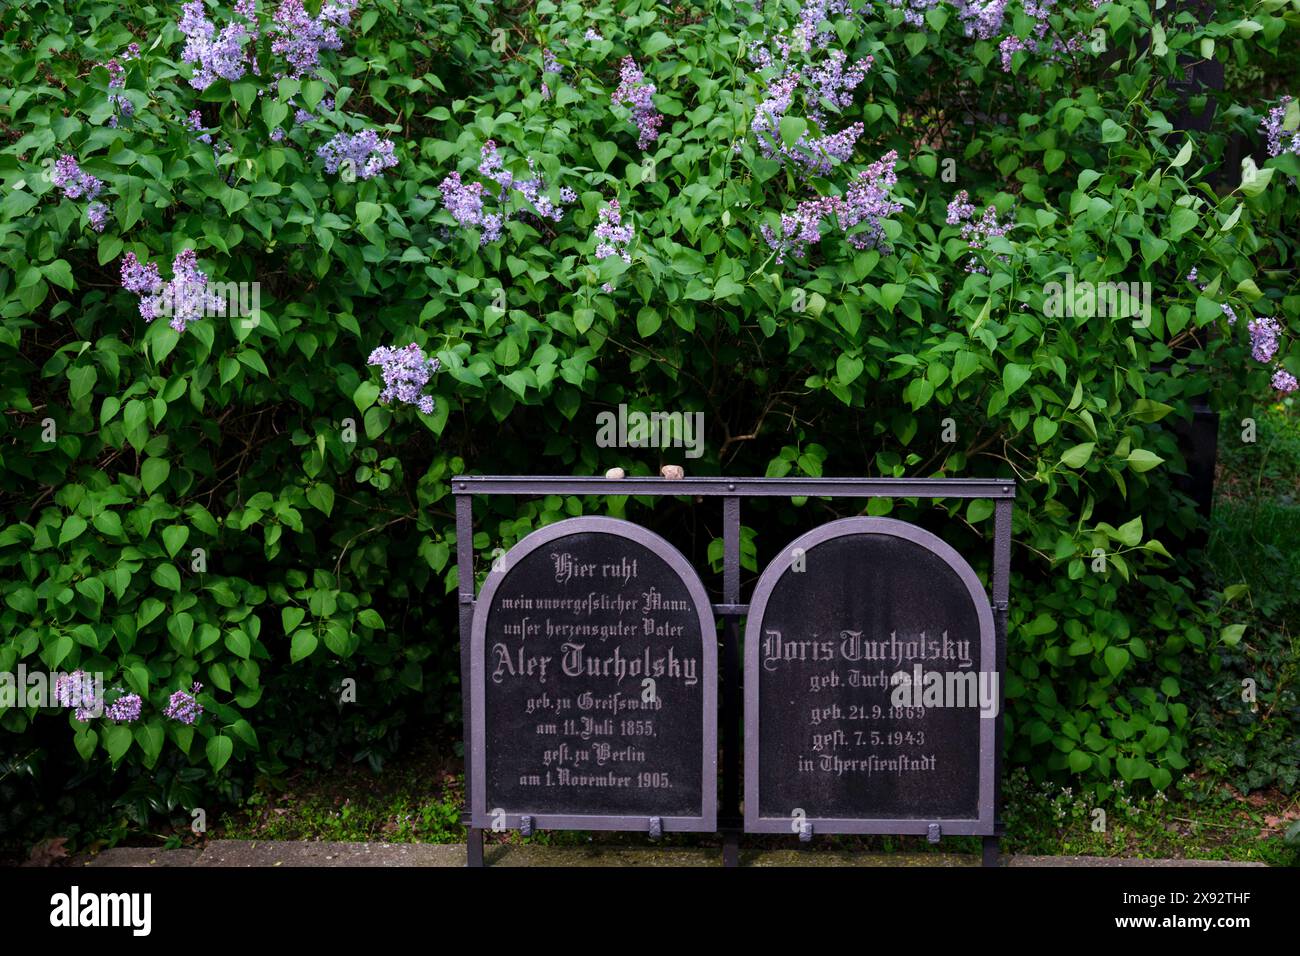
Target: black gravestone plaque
(832,737)
(594,672)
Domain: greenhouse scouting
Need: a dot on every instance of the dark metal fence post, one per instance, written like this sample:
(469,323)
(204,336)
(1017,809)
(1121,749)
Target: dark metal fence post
(465,595)
(1001,588)
(729,820)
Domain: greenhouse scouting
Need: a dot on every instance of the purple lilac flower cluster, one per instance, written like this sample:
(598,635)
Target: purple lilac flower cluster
(1265,338)
(364,153)
(124,710)
(78,690)
(612,237)
(76,183)
(1264,333)
(465,200)
(122,107)
(819,85)
(976,232)
(1038,42)
(183,706)
(866,202)
(218,54)
(633,91)
(300,37)
(186,298)
(194,123)
(549,65)
(1279,141)
(406,372)
(914,10)
(811,155)
(808,33)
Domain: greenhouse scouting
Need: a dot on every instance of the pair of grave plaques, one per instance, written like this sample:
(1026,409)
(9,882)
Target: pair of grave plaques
(870,686)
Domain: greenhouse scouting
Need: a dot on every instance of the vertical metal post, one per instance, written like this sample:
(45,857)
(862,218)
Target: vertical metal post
(465,596)
(729,820)
(1001,591)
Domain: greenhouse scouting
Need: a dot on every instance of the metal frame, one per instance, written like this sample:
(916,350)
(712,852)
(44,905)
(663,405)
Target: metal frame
(464,487)
(707,820)
(983,823)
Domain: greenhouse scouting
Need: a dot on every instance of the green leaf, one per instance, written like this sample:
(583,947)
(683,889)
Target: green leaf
(218,750)
(848,368)
(367,213)
(1111,132)
(1013,376)
(117,741)
(304,643)
(1130,533)
(1140,460)
(604,153)
(792,129)
(648,322)
(1231,635)
(1116,660)
(150,737)
(174,538)
(237,643)
(321,497)
(153,473)
(1181,220)
(365,394)
(73,526)
(59,272)
(166,576)
(291,617)
(1078,456)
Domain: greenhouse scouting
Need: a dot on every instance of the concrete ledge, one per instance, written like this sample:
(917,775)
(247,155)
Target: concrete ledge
(134,856)
(242,853)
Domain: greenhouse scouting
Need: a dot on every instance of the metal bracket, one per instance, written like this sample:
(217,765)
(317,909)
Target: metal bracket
(656,828)
(805,832)
(525,826)
(933,832)
(1001,606)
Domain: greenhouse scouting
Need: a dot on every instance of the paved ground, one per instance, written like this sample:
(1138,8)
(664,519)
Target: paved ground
(235,853)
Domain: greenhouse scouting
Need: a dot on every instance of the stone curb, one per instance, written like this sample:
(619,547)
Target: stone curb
(243,853)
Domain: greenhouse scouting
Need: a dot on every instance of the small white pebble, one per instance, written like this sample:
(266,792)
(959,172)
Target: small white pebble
(614,473)
(672,471)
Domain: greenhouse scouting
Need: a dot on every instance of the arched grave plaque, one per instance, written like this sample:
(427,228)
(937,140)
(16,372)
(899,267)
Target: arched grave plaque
(593,685)
(835,740)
